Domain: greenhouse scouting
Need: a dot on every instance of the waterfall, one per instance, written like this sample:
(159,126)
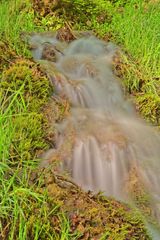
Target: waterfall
(103,140)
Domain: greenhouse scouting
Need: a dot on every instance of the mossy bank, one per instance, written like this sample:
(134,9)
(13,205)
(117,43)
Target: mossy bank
(41,204)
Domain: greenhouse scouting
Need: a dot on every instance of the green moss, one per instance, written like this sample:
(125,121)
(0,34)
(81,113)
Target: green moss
(25,89)
(34,85)
(94,216)
(29,137)
(149,106)
(6,58)
(117,228)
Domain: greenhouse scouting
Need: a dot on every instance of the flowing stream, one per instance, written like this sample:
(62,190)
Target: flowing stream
(103,143)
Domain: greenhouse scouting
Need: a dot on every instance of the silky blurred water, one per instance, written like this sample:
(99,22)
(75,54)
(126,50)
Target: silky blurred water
(103,139)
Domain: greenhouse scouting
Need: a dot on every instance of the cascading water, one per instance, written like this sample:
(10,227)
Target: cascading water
(103,140)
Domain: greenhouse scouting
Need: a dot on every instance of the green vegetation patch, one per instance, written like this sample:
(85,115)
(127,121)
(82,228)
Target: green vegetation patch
(17,17)
(137,32)
(26,76)
(45,205)
(77,14)
(24,90)
(92,216)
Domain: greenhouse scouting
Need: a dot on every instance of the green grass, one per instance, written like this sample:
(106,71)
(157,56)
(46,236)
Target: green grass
(21,133)
(26,212)
(138,34)
(26,209)
(15,193)
(16,17)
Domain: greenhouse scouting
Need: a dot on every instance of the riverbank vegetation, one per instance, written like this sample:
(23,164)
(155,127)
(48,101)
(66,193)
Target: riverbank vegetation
(41,204)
